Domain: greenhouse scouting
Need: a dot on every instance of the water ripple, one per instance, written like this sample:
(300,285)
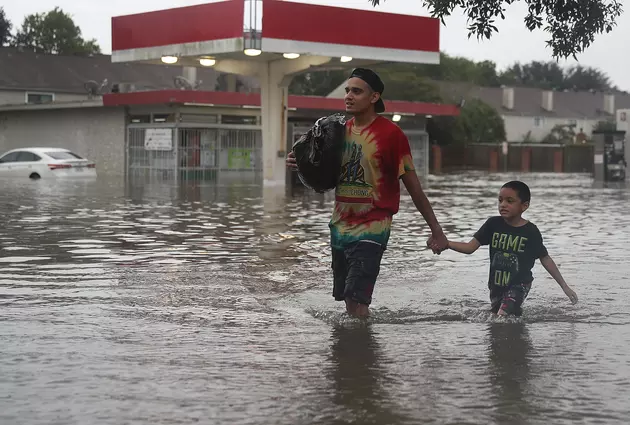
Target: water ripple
(212,304)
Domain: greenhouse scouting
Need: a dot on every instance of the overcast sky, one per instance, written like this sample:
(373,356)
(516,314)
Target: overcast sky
(513,43)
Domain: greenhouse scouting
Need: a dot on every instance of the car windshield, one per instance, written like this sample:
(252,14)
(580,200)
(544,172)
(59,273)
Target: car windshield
(63,155)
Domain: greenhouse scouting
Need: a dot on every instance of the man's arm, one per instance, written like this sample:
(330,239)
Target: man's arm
(412,183)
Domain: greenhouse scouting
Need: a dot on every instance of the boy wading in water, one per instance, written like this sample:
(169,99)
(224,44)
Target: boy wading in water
(515,244)
(376,156)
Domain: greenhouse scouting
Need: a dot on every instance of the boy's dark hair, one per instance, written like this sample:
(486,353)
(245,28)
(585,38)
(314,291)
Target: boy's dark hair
(521,189)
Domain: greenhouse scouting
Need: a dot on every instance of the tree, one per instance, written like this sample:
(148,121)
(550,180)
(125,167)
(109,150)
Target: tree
(405,84)
(317,83)
(561,133)
(572,24)
(544,75)
(5,28)
(401,83)
(55,33)
(451,68)
(604,125)
(549,75)
(455,68)
(586,78)
(405,81)
(479,122)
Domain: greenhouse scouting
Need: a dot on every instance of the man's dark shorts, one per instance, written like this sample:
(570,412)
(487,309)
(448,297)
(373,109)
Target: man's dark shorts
(509,299)
(355,270)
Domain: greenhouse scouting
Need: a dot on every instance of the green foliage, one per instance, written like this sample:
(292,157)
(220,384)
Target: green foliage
(479,122)
(450,68)
(586,78)
(572,24)
(317,83)
(562,134)
(405,84)
(549,75)
(404,81)
(414,82)
(544,75)
(5,28)
(53,32)
(605,126)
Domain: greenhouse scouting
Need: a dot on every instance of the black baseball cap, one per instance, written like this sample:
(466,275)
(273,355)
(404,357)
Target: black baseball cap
(374,81)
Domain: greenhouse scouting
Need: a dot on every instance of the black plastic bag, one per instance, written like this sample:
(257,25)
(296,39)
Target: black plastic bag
(318,153)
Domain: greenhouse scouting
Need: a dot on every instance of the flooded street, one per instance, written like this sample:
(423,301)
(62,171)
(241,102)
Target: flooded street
(211,305)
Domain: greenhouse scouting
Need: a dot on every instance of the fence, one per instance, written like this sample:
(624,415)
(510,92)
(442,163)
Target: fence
(520,157)
(166,152)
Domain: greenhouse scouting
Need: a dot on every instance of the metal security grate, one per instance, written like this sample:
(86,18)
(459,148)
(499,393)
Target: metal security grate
(419,145)
(199,154)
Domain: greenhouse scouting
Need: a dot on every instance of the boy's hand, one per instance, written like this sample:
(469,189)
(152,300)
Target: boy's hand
(571,294)
(291,161)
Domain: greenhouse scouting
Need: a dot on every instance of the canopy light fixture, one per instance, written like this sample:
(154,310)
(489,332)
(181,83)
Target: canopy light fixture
(252,52)
(169,59)
(207,61)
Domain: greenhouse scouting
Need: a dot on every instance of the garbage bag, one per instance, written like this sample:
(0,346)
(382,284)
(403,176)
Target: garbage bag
(318,153)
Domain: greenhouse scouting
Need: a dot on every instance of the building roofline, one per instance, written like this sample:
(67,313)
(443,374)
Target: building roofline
(230,99)
(43,90)
(93,103)
(252,100)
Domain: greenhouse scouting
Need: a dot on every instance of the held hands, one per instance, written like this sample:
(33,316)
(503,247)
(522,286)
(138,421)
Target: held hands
(437,242)
(291,162)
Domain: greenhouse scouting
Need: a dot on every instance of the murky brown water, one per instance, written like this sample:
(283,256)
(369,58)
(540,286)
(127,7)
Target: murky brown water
(208,305)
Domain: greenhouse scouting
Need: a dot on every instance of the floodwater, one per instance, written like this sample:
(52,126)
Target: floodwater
(210,305)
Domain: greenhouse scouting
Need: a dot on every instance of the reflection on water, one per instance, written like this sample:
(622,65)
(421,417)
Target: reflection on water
(357,375)
(509,352)
(199,303)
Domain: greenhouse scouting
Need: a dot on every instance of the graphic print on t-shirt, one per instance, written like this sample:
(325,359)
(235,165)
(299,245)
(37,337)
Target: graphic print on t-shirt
(352,184)
(513,251)
(368,192)
(505,259)
(505,266)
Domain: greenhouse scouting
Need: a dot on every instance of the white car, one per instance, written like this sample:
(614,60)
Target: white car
(36,163)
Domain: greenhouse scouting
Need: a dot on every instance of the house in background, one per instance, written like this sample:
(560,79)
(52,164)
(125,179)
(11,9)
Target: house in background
(32,78)
(530,114)
(138,120)
(58,101)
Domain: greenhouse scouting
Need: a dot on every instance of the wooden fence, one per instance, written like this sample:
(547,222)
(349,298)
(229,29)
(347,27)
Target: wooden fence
(520,157)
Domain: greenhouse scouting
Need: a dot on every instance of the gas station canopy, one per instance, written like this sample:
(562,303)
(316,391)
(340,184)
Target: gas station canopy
(273,40)
(217,31)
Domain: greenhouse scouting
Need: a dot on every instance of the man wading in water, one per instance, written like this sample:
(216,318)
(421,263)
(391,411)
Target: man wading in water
(375,156)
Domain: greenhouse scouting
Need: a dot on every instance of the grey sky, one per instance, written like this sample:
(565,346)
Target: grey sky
(512,43)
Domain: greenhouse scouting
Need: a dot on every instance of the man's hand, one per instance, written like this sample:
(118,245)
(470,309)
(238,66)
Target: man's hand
(291,162)
(437,242)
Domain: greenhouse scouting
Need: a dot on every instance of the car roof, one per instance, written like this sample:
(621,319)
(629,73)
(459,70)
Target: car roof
(48,149)
(38,150)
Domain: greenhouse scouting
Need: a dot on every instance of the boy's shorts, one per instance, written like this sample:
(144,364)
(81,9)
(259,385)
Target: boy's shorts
(509,299)
(355,270)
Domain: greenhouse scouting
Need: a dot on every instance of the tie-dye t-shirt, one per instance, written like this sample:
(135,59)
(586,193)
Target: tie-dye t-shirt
(368,193)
